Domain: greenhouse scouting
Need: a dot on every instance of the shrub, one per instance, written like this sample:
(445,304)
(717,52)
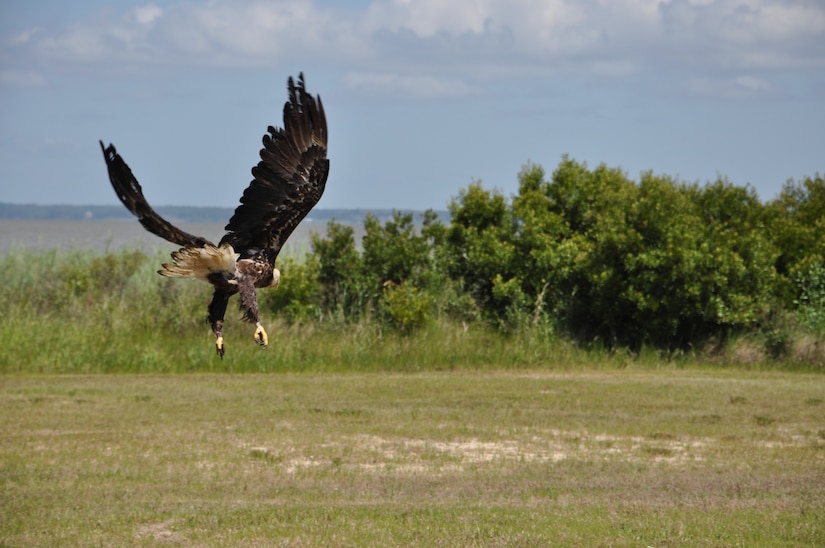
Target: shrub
(811,301)
(298,296)
(405,306)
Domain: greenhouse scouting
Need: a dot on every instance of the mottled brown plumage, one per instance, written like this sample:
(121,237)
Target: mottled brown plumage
(288,182)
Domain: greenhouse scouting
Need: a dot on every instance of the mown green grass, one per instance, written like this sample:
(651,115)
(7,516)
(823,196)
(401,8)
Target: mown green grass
(636,457)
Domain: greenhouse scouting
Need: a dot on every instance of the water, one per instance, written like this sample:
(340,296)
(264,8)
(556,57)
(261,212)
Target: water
(113,235)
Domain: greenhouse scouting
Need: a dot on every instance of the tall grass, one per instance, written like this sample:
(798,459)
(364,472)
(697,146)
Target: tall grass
(80,311)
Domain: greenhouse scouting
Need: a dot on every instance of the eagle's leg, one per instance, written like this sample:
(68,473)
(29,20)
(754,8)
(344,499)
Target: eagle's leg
(217,309)
(249,306)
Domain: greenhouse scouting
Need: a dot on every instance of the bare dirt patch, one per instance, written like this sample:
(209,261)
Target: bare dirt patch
(423,456)
(161,532)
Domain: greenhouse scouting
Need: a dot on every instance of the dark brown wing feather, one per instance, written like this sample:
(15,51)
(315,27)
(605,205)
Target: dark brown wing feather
(289,179)
(128,190)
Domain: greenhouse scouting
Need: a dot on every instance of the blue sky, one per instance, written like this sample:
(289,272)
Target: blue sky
(422,96)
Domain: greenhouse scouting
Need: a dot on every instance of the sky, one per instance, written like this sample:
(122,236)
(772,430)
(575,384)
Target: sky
(423,97)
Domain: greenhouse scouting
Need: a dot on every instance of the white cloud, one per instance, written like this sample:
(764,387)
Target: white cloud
(22,37)
(747,25)
(437,48)
(427,17)
(416,86)
(148,14)
(22,78)
(736,87)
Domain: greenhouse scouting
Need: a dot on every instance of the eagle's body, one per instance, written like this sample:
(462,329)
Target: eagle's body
(288,182)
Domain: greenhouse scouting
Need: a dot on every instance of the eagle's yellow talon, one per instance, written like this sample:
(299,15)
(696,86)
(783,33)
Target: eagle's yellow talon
(260,336)
(219,346)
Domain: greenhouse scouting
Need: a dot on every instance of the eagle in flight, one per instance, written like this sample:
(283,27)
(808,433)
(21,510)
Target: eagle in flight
(287,183)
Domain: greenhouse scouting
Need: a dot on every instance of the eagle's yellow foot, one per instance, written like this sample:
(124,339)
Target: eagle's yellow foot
(219,346)
(260,335)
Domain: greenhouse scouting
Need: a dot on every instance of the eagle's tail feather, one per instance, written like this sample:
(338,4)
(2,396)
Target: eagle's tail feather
(200,262)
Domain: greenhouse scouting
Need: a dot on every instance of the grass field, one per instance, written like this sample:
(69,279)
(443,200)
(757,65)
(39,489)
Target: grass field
(668,457)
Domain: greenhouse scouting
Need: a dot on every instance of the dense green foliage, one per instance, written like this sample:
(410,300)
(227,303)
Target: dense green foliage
(584,256)
(594,256)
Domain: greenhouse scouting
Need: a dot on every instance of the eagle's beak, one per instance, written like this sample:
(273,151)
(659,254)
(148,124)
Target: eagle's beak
(276,278)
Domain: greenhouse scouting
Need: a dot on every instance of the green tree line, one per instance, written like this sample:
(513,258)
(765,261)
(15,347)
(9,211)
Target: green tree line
(584,253)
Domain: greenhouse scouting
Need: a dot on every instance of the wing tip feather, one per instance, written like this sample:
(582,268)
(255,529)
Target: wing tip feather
(294,154)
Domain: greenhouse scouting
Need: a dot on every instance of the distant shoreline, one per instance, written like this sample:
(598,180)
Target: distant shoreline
(104,235)
(57,212)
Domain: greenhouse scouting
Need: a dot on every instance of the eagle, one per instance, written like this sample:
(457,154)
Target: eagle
(287,183)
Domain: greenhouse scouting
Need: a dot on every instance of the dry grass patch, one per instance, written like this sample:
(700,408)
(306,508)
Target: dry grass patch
(496,459)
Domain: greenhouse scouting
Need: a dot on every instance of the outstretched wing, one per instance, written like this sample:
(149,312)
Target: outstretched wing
(128,190)
(289,179)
